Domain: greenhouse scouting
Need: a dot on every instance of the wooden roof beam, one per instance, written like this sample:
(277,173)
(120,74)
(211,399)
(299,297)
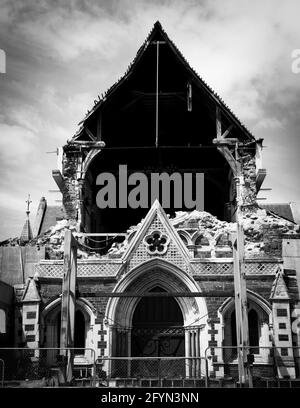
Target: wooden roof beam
(59,180)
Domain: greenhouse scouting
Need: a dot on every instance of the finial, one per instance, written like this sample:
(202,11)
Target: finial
(28,201)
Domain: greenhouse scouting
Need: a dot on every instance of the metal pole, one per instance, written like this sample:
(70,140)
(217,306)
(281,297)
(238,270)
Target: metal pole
(240,288)
(156,108)
(68,304)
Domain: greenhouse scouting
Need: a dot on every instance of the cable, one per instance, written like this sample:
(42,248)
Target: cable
(131,327)
(106,239)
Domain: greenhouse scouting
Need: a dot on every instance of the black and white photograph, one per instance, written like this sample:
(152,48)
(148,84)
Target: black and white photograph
(149,197)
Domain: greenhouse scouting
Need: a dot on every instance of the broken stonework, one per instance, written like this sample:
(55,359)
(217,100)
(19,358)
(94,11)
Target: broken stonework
(263,233)
(202,232)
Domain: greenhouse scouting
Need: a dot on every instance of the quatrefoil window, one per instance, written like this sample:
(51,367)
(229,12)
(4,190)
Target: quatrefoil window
(156,243)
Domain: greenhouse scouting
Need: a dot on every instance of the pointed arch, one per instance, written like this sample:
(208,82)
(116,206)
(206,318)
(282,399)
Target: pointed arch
(164,274)
(154,273)
(259,321)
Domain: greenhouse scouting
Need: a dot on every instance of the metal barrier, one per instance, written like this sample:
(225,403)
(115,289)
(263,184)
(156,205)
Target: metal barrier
(154,367)
(268,366)
(45,367)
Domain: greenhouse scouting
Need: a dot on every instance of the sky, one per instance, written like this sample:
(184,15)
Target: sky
(60,55)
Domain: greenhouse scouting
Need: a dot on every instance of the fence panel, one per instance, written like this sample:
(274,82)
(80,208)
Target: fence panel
(267,366)
(154,367)
(46,367)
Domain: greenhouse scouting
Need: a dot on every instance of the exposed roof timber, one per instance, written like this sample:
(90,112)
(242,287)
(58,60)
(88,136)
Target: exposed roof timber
(89,143)
(90,134)
(224,135)
(260,176)
(198,81)
(129,104)
(234,165)
(207,170)
(59,180)
(208,293)
(160,93)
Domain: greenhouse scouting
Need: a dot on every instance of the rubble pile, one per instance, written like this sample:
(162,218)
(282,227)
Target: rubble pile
(263,232)
(263,235)
(53,240)
(255,223)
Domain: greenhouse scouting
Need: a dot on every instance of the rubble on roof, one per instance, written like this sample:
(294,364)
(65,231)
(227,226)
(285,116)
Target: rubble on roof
(261,227)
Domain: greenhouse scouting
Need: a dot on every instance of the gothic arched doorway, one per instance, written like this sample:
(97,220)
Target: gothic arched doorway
(157,327)
(154,333)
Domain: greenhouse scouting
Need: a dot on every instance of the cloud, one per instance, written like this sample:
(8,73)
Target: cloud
(61,55)
(16,144)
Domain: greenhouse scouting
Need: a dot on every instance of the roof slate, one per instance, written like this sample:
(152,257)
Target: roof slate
(283,210)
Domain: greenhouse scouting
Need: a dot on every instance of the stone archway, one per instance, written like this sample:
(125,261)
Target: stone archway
(259,320)
(156,273)
(84,328)
(157,327)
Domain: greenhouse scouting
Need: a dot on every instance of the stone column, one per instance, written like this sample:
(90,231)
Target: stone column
(282,333)
(188,352)
(291,264)
(31,319)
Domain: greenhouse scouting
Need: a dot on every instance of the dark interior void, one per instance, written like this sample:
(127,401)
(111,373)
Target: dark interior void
(157,312)
(253,330)
(186,125)
(128,116)
(217,183)
(79,332)
(157,327)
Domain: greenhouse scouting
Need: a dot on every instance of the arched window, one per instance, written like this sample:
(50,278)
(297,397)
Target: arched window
(253,330)
(2,321)
(52,328)
(184,240)
(223,240)
(201,241)
(258,328)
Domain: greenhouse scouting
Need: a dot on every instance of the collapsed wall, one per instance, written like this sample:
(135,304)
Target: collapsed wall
(203,233)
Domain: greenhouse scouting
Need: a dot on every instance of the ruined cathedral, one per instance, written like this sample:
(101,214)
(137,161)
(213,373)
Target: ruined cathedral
(157,280)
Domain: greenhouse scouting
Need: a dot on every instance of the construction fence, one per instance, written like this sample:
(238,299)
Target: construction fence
(45,367)
(266,366)
(155,367)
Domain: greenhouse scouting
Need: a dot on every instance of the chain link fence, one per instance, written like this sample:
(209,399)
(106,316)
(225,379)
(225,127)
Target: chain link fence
(158,368)
(265,366)
(46,367)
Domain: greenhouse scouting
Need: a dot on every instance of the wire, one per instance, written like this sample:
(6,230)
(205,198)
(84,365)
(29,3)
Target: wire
(88,247)
(131,327)
(106,239)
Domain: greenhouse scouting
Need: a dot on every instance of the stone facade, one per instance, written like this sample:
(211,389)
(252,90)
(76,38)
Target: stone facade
(190,252)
